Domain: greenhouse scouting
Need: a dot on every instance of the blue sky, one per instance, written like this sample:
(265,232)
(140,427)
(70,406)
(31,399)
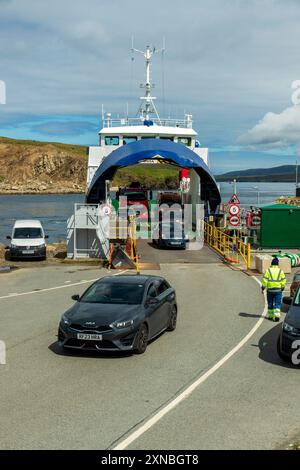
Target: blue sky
(230,63)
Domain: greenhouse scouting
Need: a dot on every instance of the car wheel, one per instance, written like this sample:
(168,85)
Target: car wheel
(282,356)
(173,319)
(142,339)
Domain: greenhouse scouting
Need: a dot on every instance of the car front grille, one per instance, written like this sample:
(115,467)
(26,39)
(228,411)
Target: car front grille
(93,329)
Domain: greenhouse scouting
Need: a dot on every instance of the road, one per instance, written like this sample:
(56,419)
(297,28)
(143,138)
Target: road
(55,400)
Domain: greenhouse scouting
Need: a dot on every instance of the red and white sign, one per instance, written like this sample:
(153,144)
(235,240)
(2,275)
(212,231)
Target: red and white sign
(105,209)
(234,199)
(234,209)
(234,220)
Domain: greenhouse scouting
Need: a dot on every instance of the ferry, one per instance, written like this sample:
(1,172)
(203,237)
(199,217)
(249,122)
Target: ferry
(130,141)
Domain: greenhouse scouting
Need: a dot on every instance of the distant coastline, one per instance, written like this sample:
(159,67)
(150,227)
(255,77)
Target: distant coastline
(279,174)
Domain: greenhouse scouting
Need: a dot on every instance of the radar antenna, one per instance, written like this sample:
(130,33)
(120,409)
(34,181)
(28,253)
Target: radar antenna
(147,106)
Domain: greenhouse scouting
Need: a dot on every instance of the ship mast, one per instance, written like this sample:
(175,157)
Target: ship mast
(147,107)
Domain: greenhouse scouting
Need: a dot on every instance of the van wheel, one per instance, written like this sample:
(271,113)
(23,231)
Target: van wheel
(141,340)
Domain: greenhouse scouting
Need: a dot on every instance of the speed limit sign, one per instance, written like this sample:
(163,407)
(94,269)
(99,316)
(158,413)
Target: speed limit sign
(234,209)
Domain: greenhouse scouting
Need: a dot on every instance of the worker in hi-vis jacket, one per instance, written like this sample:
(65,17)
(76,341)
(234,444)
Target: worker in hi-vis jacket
(274,281)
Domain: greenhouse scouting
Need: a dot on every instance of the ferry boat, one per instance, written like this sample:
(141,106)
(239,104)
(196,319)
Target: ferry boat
(130,141)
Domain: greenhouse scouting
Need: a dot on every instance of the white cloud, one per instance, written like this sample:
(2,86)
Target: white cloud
(275,130)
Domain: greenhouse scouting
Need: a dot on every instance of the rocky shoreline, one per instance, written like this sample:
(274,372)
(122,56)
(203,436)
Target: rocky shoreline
(42,188)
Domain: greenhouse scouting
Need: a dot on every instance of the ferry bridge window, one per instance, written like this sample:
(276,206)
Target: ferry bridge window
(127,140)
(148,137)
(166,138)
(112,140)
(185,141)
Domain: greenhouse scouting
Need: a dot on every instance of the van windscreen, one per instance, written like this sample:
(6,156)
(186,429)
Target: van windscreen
(28,232)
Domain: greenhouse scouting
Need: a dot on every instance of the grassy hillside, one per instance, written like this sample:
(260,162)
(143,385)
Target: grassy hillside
(150,176)
(30,166)
(77,149)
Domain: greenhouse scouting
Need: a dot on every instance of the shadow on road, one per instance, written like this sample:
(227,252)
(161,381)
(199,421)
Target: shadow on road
(249,315)
(57,349)
(268,348)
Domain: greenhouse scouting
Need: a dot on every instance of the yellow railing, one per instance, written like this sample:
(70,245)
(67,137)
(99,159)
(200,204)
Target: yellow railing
(232,248)
(133,245)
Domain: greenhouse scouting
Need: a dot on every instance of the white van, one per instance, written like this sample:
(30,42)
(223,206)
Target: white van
(27,240)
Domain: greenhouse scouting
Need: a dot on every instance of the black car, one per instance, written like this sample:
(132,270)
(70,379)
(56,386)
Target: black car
(288,345)
(170,235)
(119,313)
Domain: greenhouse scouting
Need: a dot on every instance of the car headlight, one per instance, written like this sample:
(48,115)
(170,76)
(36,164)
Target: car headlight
(288,328)
(65,320)
(42,245)
(122,324)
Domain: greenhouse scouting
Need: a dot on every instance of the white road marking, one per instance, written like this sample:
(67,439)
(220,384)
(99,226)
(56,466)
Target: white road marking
(189,390)
(67,282)
(9,296)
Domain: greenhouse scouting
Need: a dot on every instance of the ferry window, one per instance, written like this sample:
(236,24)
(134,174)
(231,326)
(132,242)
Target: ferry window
(128,139)
(166,138)
(148,136)
(185,141)
(112,140)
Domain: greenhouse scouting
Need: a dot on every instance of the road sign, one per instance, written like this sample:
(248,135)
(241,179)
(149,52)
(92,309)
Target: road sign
(256,220)
(234,209)
(105,209)
(234,220)
(234,200)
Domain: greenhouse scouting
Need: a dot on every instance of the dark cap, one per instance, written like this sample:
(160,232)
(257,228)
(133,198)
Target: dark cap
(275,262)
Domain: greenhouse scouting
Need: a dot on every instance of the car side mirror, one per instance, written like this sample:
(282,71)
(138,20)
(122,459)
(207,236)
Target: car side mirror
(8,237)
(287,300)
(75,297)
(46,236)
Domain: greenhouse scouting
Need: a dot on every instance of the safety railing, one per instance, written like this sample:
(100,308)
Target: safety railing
(231,247)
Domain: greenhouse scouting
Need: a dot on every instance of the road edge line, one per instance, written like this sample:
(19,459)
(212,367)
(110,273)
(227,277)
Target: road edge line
(48,289)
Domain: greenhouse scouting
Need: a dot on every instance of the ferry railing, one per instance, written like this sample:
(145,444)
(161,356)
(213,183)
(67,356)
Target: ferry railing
(109,122)
(233,249)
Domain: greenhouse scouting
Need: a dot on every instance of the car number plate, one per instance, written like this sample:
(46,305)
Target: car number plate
(175,243)
(89,337)
(28,252)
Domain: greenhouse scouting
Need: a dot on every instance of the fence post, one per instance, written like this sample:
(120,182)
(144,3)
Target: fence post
(248,255)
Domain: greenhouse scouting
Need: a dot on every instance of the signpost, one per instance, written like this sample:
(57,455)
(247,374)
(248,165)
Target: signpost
(234,210)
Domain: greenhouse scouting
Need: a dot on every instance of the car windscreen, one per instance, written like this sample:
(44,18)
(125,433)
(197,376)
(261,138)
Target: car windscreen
(28,232)
(135,195)
(172,229)
(114,293)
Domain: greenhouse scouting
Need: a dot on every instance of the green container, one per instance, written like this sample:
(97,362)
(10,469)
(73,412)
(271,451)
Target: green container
(280,226)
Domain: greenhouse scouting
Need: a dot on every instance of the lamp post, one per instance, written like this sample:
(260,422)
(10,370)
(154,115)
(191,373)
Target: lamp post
(258,194)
